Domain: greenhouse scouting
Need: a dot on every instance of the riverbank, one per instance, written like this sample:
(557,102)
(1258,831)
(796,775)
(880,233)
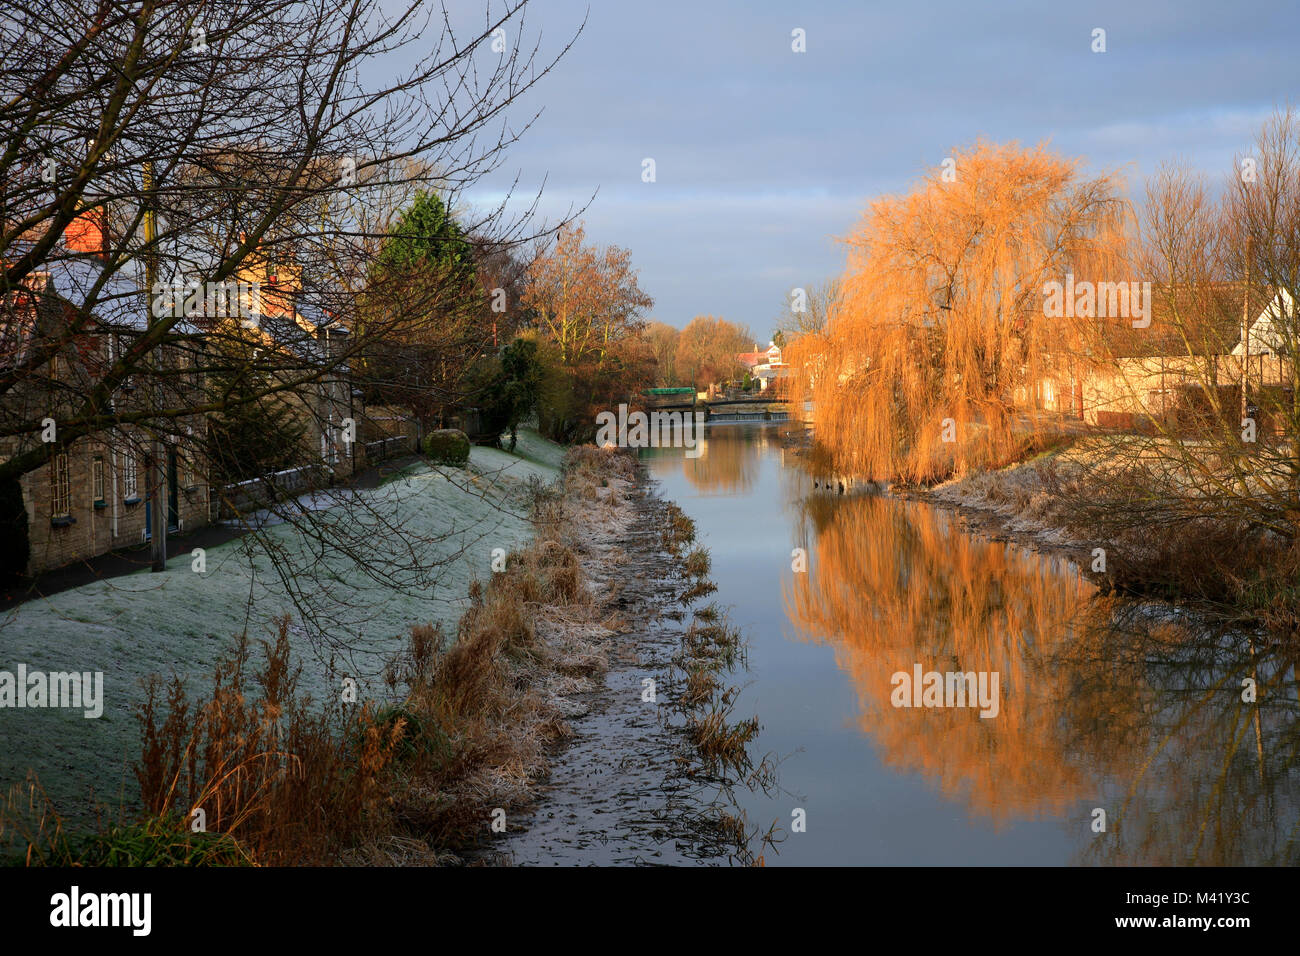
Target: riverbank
(525,661)
(1016,504)
(580,626)
(1013,503)
(1214,563)
(183,623)
(1083,498)
(654,744)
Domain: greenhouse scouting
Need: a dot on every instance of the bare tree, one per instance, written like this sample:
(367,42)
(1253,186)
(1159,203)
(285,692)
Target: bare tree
(191,198)
(808,309)
(1220,450)
(708,350)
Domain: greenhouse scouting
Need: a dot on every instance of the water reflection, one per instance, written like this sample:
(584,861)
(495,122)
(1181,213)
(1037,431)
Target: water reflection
(1103,703)
(728,458)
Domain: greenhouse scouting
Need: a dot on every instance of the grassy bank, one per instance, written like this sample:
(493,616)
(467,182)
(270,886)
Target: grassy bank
(184,623)
(418,772)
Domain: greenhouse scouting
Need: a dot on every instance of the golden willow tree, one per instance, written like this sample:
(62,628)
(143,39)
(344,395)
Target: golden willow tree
(938,330)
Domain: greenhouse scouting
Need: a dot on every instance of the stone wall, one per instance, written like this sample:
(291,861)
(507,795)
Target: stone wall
(95,525)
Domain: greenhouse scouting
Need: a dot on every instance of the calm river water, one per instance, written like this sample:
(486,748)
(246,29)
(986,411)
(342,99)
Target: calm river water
(1121,734)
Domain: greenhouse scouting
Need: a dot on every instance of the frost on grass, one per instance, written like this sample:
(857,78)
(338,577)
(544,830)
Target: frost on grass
(180,622)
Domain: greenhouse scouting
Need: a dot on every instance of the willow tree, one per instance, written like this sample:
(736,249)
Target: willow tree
(939,329)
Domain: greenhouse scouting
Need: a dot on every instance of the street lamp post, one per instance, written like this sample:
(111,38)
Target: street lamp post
(157,453)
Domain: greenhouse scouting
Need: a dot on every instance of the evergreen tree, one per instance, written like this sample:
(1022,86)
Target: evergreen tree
(426,272)
(257,435)
(506,388)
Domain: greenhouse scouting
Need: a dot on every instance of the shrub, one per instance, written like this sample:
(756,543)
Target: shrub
(291,784)
(162,841)
(447,446)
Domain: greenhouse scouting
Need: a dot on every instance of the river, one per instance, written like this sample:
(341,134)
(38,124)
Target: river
(1123,733)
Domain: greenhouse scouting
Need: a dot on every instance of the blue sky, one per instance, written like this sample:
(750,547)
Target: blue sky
(765,156)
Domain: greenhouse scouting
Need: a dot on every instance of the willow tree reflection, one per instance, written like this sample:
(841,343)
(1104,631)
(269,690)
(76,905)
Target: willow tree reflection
(1103,703)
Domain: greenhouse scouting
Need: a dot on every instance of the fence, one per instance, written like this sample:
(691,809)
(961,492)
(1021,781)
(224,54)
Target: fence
(385,448)
(244,496)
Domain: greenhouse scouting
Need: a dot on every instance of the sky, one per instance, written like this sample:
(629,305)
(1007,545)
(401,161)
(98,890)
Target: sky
(764,157)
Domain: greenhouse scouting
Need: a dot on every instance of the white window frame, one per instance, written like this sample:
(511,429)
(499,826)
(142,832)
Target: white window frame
(60,486)
(130,476)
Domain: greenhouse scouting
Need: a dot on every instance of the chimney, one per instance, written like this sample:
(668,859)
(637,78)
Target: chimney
(88,233)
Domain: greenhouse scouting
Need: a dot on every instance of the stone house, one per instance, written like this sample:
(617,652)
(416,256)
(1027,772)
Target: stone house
(93,494)
(308,337)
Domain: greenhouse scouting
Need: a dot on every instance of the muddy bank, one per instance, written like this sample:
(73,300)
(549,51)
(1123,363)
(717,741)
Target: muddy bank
(604,789)
(1009,505)
(628,785)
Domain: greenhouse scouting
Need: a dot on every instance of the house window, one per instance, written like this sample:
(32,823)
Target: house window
(1157,400)
(130,483)
(97,478)
(60,487)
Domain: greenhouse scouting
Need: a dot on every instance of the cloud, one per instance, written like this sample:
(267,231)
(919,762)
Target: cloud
(763,155)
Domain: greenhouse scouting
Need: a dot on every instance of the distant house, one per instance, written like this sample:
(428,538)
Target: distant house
(764,365)
(1194,339)
(1264,337)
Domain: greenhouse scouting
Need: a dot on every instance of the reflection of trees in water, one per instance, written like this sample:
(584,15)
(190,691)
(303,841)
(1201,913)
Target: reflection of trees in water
(1145,721)
(892,585)
(1218,781)
(729,461)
